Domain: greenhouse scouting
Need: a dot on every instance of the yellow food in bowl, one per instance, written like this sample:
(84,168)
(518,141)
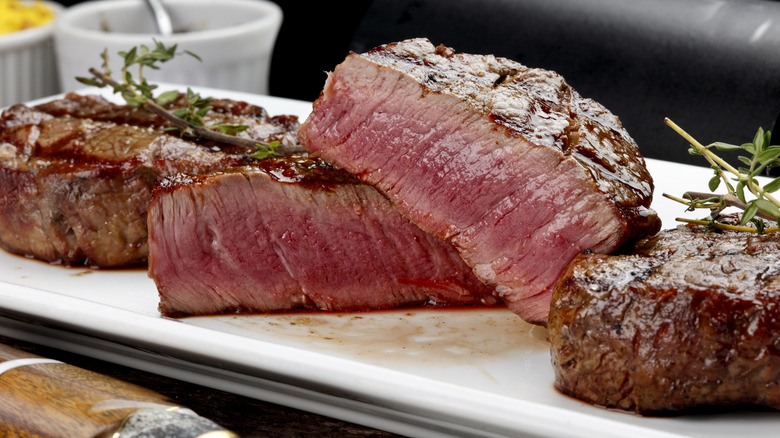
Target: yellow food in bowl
(16,15)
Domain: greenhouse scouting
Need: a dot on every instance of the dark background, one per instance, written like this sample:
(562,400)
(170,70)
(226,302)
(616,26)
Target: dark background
(711,66)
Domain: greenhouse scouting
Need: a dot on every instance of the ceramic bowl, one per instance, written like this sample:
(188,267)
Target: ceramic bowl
(233,38)
(27,63)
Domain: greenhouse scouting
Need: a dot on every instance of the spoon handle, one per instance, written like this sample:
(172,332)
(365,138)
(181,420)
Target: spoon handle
(161,17)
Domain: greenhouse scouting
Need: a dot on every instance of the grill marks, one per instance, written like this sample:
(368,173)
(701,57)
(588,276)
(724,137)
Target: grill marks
(617,323)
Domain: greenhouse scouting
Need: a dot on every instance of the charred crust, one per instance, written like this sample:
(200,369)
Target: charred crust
(625,317)
(499,80)
(444,51)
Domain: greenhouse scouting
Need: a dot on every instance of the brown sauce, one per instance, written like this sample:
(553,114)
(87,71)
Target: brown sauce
(419,336)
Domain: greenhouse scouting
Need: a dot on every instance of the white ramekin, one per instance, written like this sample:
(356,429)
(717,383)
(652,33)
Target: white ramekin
(27,65)
(234,39)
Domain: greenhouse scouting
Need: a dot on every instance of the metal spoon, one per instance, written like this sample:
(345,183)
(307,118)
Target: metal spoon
(161,17)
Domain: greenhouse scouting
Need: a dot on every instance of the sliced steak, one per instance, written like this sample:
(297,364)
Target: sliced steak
(508,163)
(75,190)
(690,319)
(294,234)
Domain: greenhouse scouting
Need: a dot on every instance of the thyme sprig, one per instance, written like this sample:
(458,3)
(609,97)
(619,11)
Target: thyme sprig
(195,113)
(190,120)
(761,155)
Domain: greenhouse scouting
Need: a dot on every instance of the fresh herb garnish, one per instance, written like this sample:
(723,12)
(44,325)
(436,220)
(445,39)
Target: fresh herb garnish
(197,109)
(266,151)
(189,121)
(136,92)
(760,157)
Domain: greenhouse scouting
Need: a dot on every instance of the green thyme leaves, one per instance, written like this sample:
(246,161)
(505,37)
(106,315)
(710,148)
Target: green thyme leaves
(266,151)
(743,189)
(189,120)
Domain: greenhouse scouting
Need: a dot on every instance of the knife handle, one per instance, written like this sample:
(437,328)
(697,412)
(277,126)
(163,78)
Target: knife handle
(42,397)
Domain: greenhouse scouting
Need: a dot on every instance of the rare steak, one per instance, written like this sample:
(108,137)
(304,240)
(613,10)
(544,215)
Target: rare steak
(75,189)
(294,234)
(691,318)
(508,163)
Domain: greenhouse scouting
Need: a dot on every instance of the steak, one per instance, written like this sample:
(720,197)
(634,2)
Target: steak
(508,163)
(690,319)
(261,126)
(75,189)
(294,234)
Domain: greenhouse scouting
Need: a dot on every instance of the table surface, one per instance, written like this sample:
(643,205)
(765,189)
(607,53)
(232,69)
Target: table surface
(245,416)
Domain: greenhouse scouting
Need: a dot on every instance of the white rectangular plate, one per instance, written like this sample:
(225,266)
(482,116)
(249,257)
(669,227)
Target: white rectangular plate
(479,372)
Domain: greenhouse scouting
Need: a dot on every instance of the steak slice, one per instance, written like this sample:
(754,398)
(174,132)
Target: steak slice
(692,318)
(294,234)
(75,191)
(508,163)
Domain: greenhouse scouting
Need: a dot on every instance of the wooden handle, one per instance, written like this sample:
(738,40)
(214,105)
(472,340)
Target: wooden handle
(53,399)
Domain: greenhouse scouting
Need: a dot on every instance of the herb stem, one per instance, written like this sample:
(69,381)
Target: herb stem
(129,86)
(717,161)
(723,226)
(694,200)
(199,131)
(697,202)
(713,159)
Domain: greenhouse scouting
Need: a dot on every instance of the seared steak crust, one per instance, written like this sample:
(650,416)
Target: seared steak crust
(690,319)
(508,163)
(294,234)
(75,189)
